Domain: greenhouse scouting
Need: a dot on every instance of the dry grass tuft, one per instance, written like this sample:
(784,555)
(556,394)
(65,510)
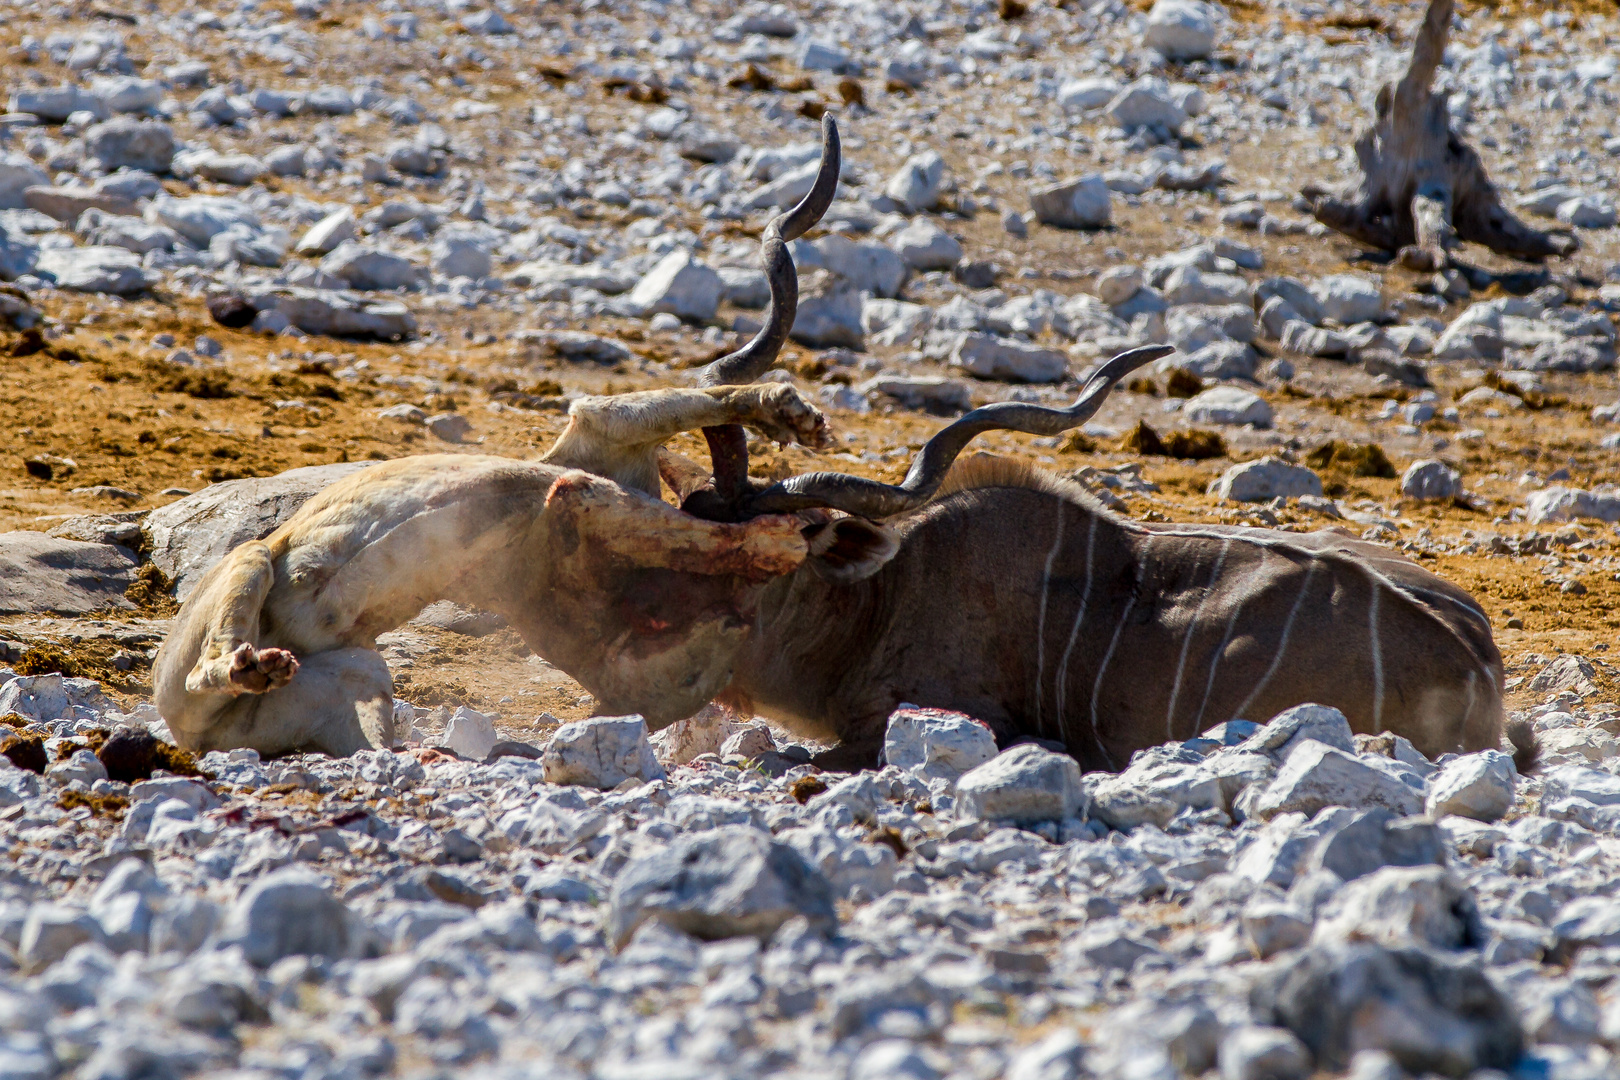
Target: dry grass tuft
(1194,445)
(1352,459)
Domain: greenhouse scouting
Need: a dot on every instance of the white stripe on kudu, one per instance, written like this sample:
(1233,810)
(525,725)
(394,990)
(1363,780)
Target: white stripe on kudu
(1377,656)
(1285,542)
(1040,625)
(1096,687)
(1214,662)
(1074,631)
(1186,642)
(1282,643)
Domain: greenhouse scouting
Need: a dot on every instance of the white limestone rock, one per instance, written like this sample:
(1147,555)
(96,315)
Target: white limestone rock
(601,752)
(1349,298)
(1430,480)
(1478,786)
(988,356)
(1317,775)
(924,246)
(1027,783)
(679,285)
(936,743)
(1081,203)
(114,270)
(1402,905)
(328,233)
(370,268)
(916,184)
(733,881)
(292,912)
(829,313)
(127,143)
(18,173)
(1229,406)
(1147,103)
(470,733)
(1182,29)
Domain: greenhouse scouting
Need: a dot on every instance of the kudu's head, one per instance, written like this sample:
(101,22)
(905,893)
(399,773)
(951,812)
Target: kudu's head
(673,593)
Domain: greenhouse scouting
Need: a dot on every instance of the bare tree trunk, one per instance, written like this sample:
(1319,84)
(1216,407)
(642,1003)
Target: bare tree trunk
(1422,188)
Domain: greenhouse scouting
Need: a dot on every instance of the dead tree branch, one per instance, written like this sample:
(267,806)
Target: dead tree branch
(1422,188)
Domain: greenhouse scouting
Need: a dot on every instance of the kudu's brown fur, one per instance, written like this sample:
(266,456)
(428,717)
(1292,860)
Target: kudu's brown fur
(1015,597)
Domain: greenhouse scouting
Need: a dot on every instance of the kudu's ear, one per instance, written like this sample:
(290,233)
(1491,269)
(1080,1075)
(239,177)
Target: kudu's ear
(849,549)
(681,473)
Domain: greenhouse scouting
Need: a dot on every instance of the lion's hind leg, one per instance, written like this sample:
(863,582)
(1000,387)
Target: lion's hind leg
(229,661)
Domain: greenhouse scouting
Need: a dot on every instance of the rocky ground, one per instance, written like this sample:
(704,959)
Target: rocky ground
(499,208)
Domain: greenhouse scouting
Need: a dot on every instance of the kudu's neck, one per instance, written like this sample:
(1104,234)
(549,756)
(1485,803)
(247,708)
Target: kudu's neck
(811,641)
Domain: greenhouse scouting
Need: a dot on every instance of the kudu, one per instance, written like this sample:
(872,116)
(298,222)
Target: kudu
(275,648)
(1012,595)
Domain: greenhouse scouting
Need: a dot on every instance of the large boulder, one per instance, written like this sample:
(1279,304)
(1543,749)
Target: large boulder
(189,536)
(40,573)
